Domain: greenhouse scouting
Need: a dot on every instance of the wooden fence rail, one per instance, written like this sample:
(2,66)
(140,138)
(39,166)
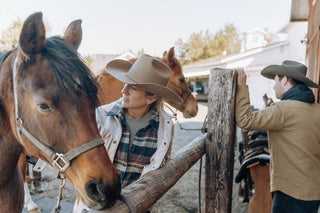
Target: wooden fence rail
(150,187)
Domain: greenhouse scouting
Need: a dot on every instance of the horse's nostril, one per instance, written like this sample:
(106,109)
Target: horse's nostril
(188,114)
(104,194)
(93,191)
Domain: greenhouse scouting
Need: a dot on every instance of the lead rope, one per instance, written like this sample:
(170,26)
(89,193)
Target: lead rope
(57,208)
(203,130)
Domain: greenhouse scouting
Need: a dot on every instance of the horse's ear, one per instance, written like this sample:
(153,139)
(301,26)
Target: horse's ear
(165,53)
(132,60)
(171,56)
(33,35)
(73,34)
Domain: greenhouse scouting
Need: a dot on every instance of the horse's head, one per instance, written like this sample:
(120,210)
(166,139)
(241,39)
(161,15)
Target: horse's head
(56,97)
(178,83)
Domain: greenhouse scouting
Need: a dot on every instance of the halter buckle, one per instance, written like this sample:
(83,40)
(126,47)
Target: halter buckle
(19,122)
(60,158)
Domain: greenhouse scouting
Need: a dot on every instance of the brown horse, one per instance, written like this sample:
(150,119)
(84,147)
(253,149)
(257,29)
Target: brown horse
(111,87)
(47,109)
(254,171)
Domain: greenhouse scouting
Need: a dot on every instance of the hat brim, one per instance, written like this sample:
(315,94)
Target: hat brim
(273,70)
(119,68)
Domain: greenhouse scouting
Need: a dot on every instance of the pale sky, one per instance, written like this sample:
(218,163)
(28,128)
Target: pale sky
(115,26)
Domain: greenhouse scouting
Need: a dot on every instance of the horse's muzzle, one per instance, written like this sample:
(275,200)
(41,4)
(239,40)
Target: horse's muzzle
(104,195)
(190,113)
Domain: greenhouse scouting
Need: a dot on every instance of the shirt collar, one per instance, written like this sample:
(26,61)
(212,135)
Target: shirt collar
(117,110)
(154,121)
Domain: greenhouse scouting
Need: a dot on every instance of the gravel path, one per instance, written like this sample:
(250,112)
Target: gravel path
(181,198)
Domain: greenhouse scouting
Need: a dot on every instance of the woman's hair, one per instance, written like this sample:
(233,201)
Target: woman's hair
(158,103)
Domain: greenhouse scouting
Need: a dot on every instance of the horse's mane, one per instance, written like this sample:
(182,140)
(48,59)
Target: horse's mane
(4,124)
(3,56)
(71,72)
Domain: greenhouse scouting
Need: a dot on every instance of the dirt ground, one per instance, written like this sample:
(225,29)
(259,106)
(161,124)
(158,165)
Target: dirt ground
(181,198)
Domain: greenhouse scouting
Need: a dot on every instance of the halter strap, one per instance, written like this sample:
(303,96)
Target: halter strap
(60,161)
(188,93)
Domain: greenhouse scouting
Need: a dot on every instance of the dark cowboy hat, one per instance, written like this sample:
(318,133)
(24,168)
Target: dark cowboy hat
(147,73)
(290,69)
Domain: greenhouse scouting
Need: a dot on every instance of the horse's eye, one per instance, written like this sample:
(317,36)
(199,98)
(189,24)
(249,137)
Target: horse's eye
(44,107)
(182,80)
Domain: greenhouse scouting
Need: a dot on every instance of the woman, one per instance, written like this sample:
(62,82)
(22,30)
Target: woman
(137,131)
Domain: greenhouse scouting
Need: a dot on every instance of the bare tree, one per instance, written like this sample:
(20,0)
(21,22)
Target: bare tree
(10,37)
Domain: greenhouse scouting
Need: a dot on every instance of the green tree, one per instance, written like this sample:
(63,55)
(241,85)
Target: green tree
(204,45)
(183,51)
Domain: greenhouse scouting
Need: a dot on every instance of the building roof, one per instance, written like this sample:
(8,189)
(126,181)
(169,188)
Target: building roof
(203,67)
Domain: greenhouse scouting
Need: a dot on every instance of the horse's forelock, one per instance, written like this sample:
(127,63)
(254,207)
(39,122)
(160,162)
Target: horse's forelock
(71,73)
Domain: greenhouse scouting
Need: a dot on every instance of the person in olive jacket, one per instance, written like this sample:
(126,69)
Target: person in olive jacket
(293,126)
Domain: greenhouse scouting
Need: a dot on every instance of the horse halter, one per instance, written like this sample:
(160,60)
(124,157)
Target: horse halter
(187,92)
(60,161)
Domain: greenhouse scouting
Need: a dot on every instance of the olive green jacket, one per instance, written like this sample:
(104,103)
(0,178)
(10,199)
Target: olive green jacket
(294,142)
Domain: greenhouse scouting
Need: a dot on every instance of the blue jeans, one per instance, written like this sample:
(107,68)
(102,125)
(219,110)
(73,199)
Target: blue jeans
(283,203)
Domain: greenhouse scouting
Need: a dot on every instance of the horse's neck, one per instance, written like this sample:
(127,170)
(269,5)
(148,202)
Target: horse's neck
(262,199)
(12,192)
(10,148)
(10,151)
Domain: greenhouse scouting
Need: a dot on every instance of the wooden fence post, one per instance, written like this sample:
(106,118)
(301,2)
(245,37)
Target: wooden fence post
(220,141)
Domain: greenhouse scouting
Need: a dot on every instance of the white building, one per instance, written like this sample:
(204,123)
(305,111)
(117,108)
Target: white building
(287,46)
(252,39)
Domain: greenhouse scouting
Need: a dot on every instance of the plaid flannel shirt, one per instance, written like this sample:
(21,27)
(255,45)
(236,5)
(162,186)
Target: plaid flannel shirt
(130,163)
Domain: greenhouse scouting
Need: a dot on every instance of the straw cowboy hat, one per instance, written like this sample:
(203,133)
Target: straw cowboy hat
(290,69)
(147,73)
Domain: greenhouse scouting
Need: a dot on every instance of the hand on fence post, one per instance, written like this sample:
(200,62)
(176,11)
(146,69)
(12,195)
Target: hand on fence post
(242,77)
